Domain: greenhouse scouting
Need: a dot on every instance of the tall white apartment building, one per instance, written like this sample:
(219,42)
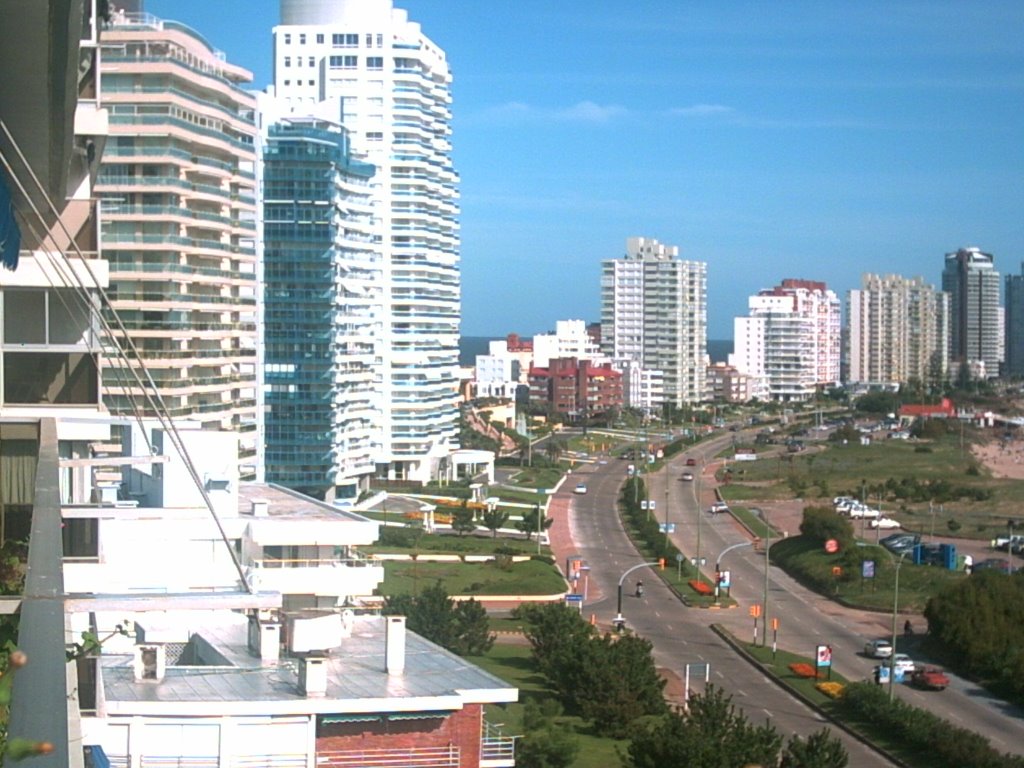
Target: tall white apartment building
(498,373)
(570,339)
(749,354)
(177,187)
(798,348)
(898,330)
(364,64)
(654,312)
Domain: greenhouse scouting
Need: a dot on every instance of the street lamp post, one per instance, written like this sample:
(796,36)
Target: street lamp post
(895,612)
(619,620)
(700,516)
(767,549)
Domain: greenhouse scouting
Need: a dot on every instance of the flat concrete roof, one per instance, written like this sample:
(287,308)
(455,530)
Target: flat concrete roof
(433,679)
(282,502)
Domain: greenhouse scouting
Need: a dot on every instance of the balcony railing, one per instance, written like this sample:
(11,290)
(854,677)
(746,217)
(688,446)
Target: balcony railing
(495,748)
(413,757)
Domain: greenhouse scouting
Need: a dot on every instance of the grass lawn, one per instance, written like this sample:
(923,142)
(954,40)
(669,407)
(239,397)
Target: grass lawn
(842,469)
(450,543)
(534,477)
(806,562)
(529,578)
(512,663)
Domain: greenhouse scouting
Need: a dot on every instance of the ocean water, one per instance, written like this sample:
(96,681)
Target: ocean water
(471,346)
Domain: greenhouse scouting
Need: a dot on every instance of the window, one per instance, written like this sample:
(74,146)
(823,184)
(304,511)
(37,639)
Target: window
(302,39)
(345,41)
(375,62)
(320,39)
(287,61)
(287,39)
(312,61)
(369,40)
(287,82)
(349,62)
(380,41)
(374,136)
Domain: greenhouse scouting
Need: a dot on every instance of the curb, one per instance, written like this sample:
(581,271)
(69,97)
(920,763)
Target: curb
(731,641)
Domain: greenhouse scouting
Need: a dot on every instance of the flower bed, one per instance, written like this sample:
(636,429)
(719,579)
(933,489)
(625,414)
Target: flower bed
(832,690)
(803,669)
(701,587)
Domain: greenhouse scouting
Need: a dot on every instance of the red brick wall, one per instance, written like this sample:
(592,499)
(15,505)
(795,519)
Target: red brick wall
(462,729)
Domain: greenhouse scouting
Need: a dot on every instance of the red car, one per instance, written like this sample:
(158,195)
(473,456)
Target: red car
(930,678)
(691,462)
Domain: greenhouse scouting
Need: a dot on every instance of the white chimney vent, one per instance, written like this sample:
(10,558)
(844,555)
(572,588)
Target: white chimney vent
(394,644)
(150,661)
(260,508)
(313,676)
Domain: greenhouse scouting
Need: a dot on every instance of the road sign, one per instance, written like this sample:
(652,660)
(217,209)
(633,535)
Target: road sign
(725,579)
(755,611)
(823,654)
(667,527)
(831,546)
(868,569)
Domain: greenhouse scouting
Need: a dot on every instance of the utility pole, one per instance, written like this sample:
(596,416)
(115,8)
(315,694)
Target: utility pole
(700,515)
(767,548)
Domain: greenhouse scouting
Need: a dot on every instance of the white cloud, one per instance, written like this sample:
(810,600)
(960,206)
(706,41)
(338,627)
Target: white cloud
(581,112)
(703,110)
(589,112)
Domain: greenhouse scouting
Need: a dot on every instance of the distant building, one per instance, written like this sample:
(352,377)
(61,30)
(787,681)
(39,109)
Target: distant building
(575,388)
(898,329)
(791,339)
(727,384)
(654,312)
(570,339)
(1014,324)
(972,282)
(499,373)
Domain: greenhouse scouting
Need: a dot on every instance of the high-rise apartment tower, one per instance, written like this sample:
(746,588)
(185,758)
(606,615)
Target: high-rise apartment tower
(898,330)
(177,191)
(972,282)
(364,64)
(654,312)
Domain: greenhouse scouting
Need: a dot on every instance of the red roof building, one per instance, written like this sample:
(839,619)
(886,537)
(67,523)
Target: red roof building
(575,388)
(944,410)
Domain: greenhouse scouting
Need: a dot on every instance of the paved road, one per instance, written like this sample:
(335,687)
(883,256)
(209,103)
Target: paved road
(681,636)
(807,619)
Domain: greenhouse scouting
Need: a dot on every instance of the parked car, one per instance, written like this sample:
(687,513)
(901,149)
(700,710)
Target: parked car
(580,488)
(858,510)
(901,661)
(878,649)
(885,523)
(900,543)
(687,476)
(691,462)
(929,678)
(993,564)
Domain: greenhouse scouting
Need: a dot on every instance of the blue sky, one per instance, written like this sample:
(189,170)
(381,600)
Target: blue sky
(814,140)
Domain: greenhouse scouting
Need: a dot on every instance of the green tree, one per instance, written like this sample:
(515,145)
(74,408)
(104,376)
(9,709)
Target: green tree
(555,449)
(618,683)
(824,523)
(819,750)
(545,744)
(558,637)
(493,519)
(462,627)
(463,519)
(878,402)
(533,521)
(712,734)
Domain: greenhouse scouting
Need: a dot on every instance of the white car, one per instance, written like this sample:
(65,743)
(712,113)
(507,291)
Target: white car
(878,649)
(885,523)
(580,488)
(718,506)
(903,662)
(862,511)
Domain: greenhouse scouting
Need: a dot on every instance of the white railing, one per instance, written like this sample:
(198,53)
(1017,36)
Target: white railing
(496,748)
(413,757)
(178,762)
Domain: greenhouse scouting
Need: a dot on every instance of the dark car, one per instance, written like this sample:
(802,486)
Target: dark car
(993,564)
(691,462)
(900,543)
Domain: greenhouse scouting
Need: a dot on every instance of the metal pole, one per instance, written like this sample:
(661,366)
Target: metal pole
(666,507)
(696,501)
(767,547)
(895,609)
